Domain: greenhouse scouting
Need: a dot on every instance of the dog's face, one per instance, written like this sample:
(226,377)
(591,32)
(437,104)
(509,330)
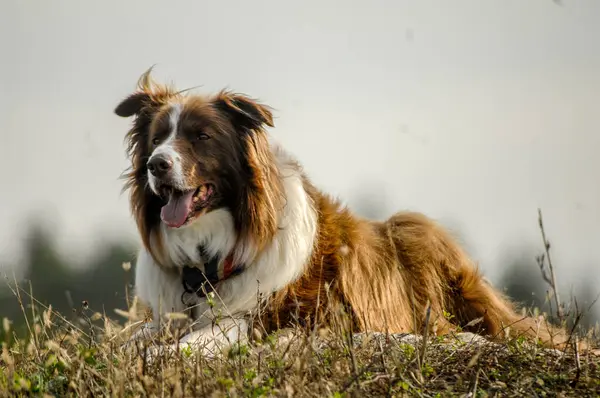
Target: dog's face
(192,151)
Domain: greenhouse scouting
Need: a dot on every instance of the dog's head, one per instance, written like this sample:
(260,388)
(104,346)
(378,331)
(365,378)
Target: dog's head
(193,154)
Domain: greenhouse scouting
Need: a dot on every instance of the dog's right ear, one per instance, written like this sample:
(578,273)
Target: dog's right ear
(133,104)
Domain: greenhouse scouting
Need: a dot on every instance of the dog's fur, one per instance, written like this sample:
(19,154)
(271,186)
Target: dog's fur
(303,256)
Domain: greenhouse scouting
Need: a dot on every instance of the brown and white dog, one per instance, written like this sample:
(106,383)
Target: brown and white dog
(209,190)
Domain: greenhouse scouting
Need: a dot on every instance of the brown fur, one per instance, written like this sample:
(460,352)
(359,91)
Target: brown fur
(384,274)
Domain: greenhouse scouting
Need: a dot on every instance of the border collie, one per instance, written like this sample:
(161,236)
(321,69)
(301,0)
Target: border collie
(233,228)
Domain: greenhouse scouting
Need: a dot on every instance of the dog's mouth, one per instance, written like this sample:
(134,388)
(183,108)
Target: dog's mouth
(183,206)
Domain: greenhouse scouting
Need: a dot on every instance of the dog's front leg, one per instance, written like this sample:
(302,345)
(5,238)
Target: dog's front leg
(159,288)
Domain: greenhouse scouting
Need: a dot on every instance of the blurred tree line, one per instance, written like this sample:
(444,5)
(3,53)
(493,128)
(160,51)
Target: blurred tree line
(54,279)
(104,283)
(522,281)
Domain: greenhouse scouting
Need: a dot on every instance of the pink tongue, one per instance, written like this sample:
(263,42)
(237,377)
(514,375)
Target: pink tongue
(176,211)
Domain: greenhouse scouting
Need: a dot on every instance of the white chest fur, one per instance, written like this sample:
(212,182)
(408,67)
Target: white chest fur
(280,263)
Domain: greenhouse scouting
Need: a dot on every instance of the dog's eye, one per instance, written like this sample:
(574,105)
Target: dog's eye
(155,141)
(202,137)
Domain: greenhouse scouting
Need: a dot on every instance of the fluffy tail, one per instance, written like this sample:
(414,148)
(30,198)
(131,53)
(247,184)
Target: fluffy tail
(481,306)
(439,270)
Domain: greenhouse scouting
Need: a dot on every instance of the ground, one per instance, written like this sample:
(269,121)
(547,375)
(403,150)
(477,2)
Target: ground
(83,358)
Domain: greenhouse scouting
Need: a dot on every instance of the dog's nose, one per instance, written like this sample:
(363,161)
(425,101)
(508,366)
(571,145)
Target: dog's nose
(159,165)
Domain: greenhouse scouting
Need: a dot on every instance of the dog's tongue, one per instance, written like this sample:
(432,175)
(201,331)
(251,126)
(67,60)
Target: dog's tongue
(176,211)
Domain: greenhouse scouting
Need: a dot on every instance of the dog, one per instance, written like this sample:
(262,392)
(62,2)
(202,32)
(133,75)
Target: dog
(233,228)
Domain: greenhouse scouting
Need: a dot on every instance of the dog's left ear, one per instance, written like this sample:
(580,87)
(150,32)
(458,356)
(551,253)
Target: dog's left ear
(133,104)
(243,111)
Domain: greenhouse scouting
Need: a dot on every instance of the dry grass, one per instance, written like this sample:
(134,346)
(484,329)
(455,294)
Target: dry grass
(83,358)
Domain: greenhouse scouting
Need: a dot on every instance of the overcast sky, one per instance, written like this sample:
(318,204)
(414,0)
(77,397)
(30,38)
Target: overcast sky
(474,112)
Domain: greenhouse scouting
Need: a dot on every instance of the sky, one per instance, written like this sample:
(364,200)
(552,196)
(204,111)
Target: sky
(475,113)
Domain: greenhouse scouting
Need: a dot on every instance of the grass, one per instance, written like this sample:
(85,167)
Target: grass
(83,358)
(55,356)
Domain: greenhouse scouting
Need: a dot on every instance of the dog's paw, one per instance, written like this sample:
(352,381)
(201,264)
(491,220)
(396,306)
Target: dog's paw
(156,353)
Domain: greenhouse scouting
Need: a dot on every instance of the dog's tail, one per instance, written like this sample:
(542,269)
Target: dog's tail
(480,306)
